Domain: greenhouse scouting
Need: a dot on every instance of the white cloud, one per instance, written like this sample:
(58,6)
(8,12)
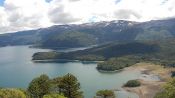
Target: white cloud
(22,15)
(18,15)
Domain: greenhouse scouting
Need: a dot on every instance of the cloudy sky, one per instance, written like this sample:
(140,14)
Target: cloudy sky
(16,15)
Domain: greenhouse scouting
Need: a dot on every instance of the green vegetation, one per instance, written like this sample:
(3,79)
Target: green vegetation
(132,83)
(39,87)
(90,57)
(19,38)
(43,87)
(11,93)
(53,96)
(105,94)
(67,85)
(118,63)
(168,90)
(102,52)
(154,34)
(45,55)
(117,56)
(160,95)
(69,39)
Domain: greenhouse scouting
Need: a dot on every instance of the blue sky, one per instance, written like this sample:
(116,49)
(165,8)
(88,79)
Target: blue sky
(48,0)
(1,2)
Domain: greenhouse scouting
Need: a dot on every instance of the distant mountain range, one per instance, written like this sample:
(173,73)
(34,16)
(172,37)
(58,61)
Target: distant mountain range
(92,33)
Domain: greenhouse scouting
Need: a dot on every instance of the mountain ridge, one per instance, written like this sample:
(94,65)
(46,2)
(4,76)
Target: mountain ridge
(80,35)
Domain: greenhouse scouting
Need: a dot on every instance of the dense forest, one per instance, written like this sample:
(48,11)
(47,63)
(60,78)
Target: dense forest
(119,55)
(102,52)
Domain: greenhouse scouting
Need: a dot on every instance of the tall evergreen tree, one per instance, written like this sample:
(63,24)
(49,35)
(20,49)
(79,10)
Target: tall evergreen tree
(56,85)
(39,87)
(70,86)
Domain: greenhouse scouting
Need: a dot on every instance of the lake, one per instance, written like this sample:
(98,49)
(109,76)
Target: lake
(17,70)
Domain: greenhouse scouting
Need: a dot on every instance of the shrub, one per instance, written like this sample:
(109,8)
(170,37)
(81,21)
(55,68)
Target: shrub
(53,96)
(105,94)
(168,90)
(11,93)
(132,83)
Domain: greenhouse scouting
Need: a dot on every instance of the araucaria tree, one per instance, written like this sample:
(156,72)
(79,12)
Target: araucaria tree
(39,87)
(70,86)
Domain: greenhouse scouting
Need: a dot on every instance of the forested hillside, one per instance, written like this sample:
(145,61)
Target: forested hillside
(120,55)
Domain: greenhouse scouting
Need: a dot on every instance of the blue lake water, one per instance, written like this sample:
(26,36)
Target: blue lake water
(17,70)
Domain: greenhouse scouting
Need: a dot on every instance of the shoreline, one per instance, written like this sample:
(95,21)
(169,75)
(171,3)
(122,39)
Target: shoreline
(57,48)
(149,87)
(104,71)
(65,60)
